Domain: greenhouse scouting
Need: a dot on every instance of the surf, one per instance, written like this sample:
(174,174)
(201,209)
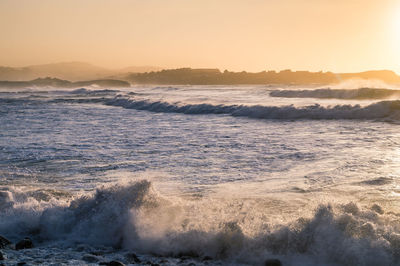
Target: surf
(135,216)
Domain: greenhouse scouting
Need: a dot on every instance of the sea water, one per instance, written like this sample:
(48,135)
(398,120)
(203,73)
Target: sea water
(209,175)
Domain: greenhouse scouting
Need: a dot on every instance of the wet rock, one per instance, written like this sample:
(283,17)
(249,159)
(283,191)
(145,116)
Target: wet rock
(112,263)
(273,262)
(21,263)
(1,256)
(90,258)
(132,258)
(187,255)
(186,258)
(207,258)
(4,242)
(24,244)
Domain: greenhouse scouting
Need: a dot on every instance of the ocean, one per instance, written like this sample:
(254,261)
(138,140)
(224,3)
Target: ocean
(202,175)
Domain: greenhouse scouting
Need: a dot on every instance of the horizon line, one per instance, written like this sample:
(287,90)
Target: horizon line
(160,68)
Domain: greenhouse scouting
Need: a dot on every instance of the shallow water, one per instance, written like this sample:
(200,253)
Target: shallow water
(183,173)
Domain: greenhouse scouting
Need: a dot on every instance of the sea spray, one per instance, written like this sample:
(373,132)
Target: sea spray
(327,93)
(135,217)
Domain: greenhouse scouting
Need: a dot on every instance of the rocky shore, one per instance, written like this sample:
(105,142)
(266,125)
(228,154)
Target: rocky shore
(24,252)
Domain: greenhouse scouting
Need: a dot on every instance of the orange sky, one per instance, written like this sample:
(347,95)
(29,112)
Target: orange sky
(253,35)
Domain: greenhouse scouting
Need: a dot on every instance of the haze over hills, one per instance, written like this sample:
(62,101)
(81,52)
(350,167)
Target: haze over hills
(216,77)
(72,71)
(78,71)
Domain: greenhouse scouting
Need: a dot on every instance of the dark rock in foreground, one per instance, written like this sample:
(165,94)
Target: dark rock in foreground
(207,258)
(24,244)
(132,258)
(4,242)
(273,262)
(1,256)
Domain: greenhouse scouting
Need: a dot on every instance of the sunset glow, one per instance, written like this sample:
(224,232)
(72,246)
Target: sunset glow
(200,132)
(340,36)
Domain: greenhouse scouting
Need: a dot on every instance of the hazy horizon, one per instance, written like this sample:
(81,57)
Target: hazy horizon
(116,69)
(344,36)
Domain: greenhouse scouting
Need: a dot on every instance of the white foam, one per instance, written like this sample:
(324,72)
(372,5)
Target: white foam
(134,216)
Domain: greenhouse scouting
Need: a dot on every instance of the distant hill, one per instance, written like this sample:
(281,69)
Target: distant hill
(59,83)
(73,71)
(78,71)
(216,77)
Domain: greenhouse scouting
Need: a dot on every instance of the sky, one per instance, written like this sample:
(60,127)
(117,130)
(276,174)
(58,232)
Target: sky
(251,35)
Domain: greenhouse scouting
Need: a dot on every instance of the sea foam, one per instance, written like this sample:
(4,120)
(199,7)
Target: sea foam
(134,216)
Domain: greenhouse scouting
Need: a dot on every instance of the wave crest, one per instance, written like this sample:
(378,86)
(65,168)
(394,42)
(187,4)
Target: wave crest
(383,111)
(380,110)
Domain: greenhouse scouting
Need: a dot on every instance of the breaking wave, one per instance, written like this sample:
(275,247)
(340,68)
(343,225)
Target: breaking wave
(327,93)
(135,217)
(380,110)
(383,110)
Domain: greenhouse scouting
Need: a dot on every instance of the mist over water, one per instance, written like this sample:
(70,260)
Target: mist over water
(229,173)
